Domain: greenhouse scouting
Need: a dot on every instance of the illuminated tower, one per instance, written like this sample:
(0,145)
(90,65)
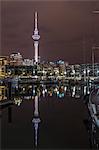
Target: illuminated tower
(36,120)
(36,38)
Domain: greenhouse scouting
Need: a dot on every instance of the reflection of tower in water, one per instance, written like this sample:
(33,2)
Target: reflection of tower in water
(36,120)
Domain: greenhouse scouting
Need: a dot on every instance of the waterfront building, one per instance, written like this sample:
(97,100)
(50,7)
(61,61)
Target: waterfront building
(62,67)
(56,71)
(28,62)
(19,70)
(4,60)
(77,69)
(96,69)
(68,71)
(73,72)
(16,66)
(36,38)
(87,70)
(16,59)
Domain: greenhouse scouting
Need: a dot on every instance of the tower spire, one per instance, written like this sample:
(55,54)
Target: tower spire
(36,38)
(36,20)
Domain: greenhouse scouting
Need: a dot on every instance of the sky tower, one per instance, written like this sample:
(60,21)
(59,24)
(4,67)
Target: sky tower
(36,38)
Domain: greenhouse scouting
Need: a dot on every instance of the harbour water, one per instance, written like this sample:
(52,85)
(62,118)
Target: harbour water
(46,116)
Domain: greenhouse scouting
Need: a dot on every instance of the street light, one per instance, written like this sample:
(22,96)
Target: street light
(93,57)
(94,47)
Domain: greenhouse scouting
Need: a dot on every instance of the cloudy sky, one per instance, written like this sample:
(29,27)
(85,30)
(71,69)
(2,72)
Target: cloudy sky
(68,29)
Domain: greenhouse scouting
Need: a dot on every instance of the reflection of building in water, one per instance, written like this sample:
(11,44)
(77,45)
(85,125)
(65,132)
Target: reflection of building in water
(16,92)
(53,89)
(3,93)
(73,91)
(61,92)
(76,91)
(17,101)
(85,89)
(36,120)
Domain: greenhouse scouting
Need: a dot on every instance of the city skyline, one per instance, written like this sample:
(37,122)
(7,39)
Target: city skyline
(68,30)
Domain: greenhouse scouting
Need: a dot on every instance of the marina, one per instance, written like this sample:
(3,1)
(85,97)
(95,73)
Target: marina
(49,75)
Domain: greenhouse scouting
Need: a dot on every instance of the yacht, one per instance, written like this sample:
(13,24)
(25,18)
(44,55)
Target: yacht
(93,105)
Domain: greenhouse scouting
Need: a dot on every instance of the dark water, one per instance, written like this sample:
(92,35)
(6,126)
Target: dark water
(62,121)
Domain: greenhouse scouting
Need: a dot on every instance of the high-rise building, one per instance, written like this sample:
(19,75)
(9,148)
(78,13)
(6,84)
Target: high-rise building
(16,59)
(36,38)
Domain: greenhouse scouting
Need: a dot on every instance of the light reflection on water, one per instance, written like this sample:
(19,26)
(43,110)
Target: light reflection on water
(50,115)
(28,91)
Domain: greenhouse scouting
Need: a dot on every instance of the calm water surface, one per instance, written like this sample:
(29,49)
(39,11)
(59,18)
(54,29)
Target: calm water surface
(62,123)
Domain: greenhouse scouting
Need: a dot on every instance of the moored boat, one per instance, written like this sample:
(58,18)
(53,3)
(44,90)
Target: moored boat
(93,105)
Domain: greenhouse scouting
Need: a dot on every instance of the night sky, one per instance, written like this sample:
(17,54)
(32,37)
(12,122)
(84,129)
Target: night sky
(68,29)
